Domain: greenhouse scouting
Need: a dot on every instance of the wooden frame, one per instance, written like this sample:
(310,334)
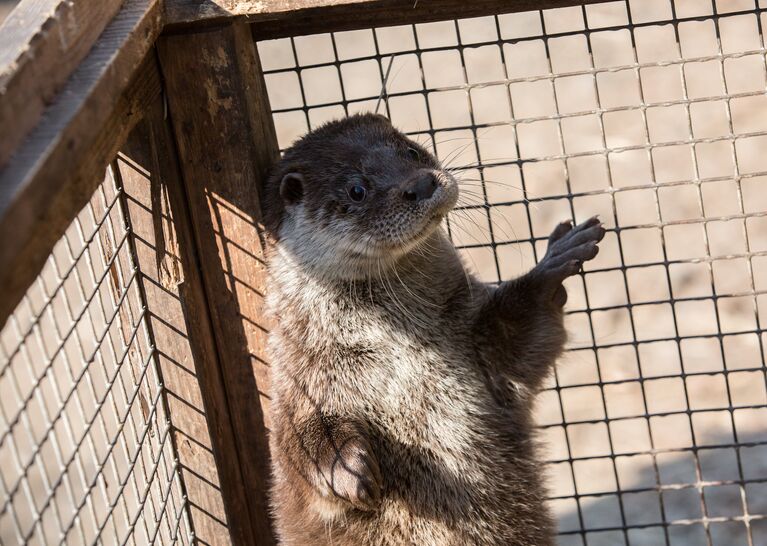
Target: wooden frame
(279,18)
(50,175)
(148,169)
(175,86)
(220,68)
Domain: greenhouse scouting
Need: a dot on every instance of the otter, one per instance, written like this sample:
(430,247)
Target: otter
(402,386)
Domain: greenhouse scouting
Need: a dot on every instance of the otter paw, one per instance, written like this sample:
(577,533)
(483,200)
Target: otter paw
(352,474)
(568,248)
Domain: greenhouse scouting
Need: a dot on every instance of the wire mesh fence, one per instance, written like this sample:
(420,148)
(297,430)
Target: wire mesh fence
(652,114)
(86,452)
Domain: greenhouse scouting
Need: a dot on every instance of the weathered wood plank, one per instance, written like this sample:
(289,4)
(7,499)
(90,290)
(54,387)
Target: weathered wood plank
(280,18)
(52,175)
(178,312)
(41,43)
(226,144)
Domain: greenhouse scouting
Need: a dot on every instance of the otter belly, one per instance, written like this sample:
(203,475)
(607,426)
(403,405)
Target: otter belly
(455,471)
(457,468)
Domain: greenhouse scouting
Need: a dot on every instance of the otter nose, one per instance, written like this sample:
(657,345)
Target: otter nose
(420,187)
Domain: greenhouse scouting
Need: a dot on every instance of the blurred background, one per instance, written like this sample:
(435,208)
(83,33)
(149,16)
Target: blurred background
(5,7)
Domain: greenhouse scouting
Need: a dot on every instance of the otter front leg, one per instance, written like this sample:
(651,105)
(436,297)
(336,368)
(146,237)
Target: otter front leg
(334,455)
(567,250)
(524,317)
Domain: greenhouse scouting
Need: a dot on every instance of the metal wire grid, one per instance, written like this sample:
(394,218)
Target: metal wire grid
(657,424)
(86,452)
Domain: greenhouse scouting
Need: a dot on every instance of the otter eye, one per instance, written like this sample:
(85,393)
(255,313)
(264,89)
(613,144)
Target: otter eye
(357,193)
(414,155)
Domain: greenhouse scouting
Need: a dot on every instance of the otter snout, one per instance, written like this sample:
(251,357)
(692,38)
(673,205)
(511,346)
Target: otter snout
(420,187)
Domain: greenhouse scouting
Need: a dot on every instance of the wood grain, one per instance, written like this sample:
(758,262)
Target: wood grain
(177,306)
(54,172)
(226,144)
(281,18)
(41,44)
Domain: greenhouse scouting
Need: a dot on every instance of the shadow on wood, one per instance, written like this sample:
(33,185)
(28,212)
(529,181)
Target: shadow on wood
(226,144)
(194,338)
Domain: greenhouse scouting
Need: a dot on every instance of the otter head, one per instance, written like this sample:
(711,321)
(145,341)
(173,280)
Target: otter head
(356,195)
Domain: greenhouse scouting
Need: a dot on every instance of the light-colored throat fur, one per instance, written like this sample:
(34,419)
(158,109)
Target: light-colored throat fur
(413,291)
(342,250)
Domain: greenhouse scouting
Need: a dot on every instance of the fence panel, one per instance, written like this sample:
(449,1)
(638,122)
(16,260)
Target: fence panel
(86,451)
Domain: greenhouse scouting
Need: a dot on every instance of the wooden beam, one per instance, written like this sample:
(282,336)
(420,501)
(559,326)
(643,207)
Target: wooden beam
(41,44)
(281,18)
(53,173)
(177,307)
(226,144)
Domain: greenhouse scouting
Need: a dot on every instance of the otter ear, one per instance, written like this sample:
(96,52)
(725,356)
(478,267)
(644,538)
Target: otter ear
(292,188)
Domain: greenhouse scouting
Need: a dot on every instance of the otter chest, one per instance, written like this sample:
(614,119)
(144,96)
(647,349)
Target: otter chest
(418,389)
(411,375)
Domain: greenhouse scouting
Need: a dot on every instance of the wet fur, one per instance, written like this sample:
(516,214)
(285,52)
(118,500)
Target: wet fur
(402,391)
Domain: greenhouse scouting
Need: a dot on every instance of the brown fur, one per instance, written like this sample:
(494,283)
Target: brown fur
(402,386)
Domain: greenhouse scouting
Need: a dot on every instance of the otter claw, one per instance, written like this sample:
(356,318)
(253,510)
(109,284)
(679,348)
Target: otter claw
(568,248)
(353,475)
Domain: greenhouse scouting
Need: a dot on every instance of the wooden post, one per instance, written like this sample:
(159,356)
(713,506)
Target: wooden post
(283,18)
(32,69)
(52,174)
(226,144)
(177,307)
